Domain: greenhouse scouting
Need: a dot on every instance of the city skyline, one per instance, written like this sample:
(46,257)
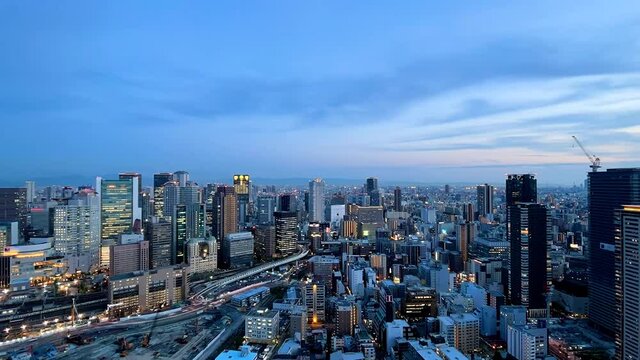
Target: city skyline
(433,93)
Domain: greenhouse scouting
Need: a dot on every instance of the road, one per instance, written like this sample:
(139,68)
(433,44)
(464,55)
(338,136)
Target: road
(199,303)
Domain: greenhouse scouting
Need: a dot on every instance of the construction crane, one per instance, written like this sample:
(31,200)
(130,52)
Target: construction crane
(595,161)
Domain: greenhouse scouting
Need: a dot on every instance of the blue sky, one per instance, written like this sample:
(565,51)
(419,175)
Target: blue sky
(456,91)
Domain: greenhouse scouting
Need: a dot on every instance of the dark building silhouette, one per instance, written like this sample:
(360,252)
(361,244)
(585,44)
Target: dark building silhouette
(608,191)
(521,188)
(13,207)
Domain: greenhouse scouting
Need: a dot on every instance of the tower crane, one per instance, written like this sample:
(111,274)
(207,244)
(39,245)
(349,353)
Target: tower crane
(595,161)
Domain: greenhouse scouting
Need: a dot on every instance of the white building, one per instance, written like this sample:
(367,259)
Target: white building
(244,353)
(202,255)
(76,231)
(527,343)
(394,330)
(316,200)
(262,326)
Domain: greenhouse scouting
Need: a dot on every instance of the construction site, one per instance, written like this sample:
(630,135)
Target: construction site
(163,339)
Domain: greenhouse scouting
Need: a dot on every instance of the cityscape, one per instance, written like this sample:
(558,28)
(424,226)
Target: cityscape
(320,180)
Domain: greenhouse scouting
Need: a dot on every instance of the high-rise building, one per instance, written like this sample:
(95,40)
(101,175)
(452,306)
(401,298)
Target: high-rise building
(371,188)
(286,232)
(132,254)
(397,199)
(265,246)
(31,191)
(627,282)
(530,239)
(182,177)
(134,176)
(420,303)
(76,230)
(313,298)
(158,192)
(13,207)
(160,240)
(346,318)
(288,202)
(225,220)
(484,199)
(316,200)
(179,234)
(237,250)
(465,234)
(119,211)
(266,207)
(201,255)
(608,191)
(242,187)
(521,188)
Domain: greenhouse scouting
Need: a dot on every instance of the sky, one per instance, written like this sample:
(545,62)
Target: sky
(412,91)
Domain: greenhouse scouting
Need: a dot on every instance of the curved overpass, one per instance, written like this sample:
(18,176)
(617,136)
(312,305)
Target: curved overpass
(250,272)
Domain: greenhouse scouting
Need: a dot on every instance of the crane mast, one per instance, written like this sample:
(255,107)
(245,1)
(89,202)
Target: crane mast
(595,161)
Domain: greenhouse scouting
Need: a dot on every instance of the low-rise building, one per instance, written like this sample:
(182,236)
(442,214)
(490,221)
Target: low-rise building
(143,291)
(262,326)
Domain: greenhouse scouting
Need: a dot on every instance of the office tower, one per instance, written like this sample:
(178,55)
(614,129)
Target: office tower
(346,318)
(526,342)
(188,222)
(76,230)
(237,250)
(286,233)
(171,198)
(147,206)
(627,285)
(608,191)
(8,234)
(485,199)
(202,255)
(371,185)
(31,191)
(397,199)
(13,207)
(316,200)
(131,254)
(467,212)
(265,246)
(182,177)
(288,202)
(119,211)
(530,237)
(225,220)
(465,234)
(266,206)
(242,187)
(190,194)
(379,264)
(371,189)
(158,192)
(160,240)
(521,188)
(134,177)
(313,298)
(262,326)
(179,234)
(196,220)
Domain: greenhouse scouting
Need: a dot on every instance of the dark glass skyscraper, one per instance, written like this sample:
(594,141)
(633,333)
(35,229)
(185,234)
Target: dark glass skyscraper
(521,188)
(13,207)
(158,192)
(485,199)
(397,199)
(608,191)
(529,263)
